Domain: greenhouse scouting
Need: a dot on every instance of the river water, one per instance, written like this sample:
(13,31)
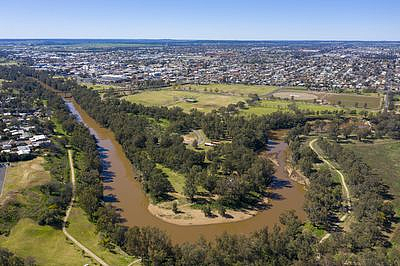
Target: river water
(121,188)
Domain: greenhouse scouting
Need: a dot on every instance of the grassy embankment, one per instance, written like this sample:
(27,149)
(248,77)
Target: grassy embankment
(85,232)
(28,239)
(384,158)
(22,175)
(47,245)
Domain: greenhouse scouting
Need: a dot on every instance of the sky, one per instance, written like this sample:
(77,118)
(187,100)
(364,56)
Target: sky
(202,19)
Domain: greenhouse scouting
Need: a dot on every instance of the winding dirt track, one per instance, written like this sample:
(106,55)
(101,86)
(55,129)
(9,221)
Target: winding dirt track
(64,229)
(344,185)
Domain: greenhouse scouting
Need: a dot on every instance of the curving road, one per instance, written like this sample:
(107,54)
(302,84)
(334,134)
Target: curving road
(344,185)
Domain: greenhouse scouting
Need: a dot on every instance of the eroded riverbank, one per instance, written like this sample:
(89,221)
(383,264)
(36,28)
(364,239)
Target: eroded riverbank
(124,192)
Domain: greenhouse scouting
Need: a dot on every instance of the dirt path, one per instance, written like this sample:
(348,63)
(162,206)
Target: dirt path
(200,137)
(64,229)
(344,217)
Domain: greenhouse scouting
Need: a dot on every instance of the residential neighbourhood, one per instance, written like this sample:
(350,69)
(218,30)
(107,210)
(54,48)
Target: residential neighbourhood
(315,65)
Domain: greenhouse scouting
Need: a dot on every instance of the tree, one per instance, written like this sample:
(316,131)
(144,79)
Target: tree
(221,210)
(207,210)
(151,244)
(195,144)
(175,207)
(347,130)
(158,183)
(261,173)
(333,131)
(362,133)
(190,188)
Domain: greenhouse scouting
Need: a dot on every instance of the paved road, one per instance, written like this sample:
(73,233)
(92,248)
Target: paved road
(64,229)
(2,178)
(344,185)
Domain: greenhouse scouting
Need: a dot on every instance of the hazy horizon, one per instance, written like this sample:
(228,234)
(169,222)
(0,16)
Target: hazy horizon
(253,20)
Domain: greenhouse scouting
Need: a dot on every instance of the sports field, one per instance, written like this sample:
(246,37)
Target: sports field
(99,87)
(354,100)
(346,100)
(236,89)
(296,95)
(187,100)
(270,106)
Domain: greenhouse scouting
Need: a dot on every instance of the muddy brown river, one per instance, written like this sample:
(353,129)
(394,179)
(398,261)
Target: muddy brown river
(121,188)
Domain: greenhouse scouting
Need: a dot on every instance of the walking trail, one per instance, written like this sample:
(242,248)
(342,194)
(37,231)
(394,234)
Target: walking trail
(64,229)
(344,185)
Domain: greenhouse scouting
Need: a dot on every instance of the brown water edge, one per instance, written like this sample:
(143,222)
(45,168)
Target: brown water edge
(125,193)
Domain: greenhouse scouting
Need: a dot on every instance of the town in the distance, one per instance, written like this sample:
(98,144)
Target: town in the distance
(199,152)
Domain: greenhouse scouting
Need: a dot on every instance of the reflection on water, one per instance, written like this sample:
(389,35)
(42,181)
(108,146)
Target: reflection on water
(124,192)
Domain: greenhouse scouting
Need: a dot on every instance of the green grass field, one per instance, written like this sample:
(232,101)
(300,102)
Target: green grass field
(47,245)
(26,174)
(99,87)
(177,180)
(237,89)
(384,158)
(354,101)
(206,102)
(85,232)
(270,106)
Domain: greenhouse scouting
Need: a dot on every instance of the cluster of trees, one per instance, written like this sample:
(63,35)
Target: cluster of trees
(8,258)
(234,169)
(323,199)
(373,212)
(387,124)
(323,196)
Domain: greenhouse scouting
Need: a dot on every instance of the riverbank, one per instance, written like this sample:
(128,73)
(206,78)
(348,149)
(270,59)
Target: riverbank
(123,191)
(190,216)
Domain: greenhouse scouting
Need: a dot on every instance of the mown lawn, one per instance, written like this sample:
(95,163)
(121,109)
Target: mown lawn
(85,232)
(237,89)
(270,106)
(206,102)
(47,245)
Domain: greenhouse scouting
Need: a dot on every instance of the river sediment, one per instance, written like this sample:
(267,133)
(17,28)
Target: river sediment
(123,191)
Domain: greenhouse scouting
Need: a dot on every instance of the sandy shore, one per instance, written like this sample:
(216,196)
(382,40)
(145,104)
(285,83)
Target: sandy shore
(190,216)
